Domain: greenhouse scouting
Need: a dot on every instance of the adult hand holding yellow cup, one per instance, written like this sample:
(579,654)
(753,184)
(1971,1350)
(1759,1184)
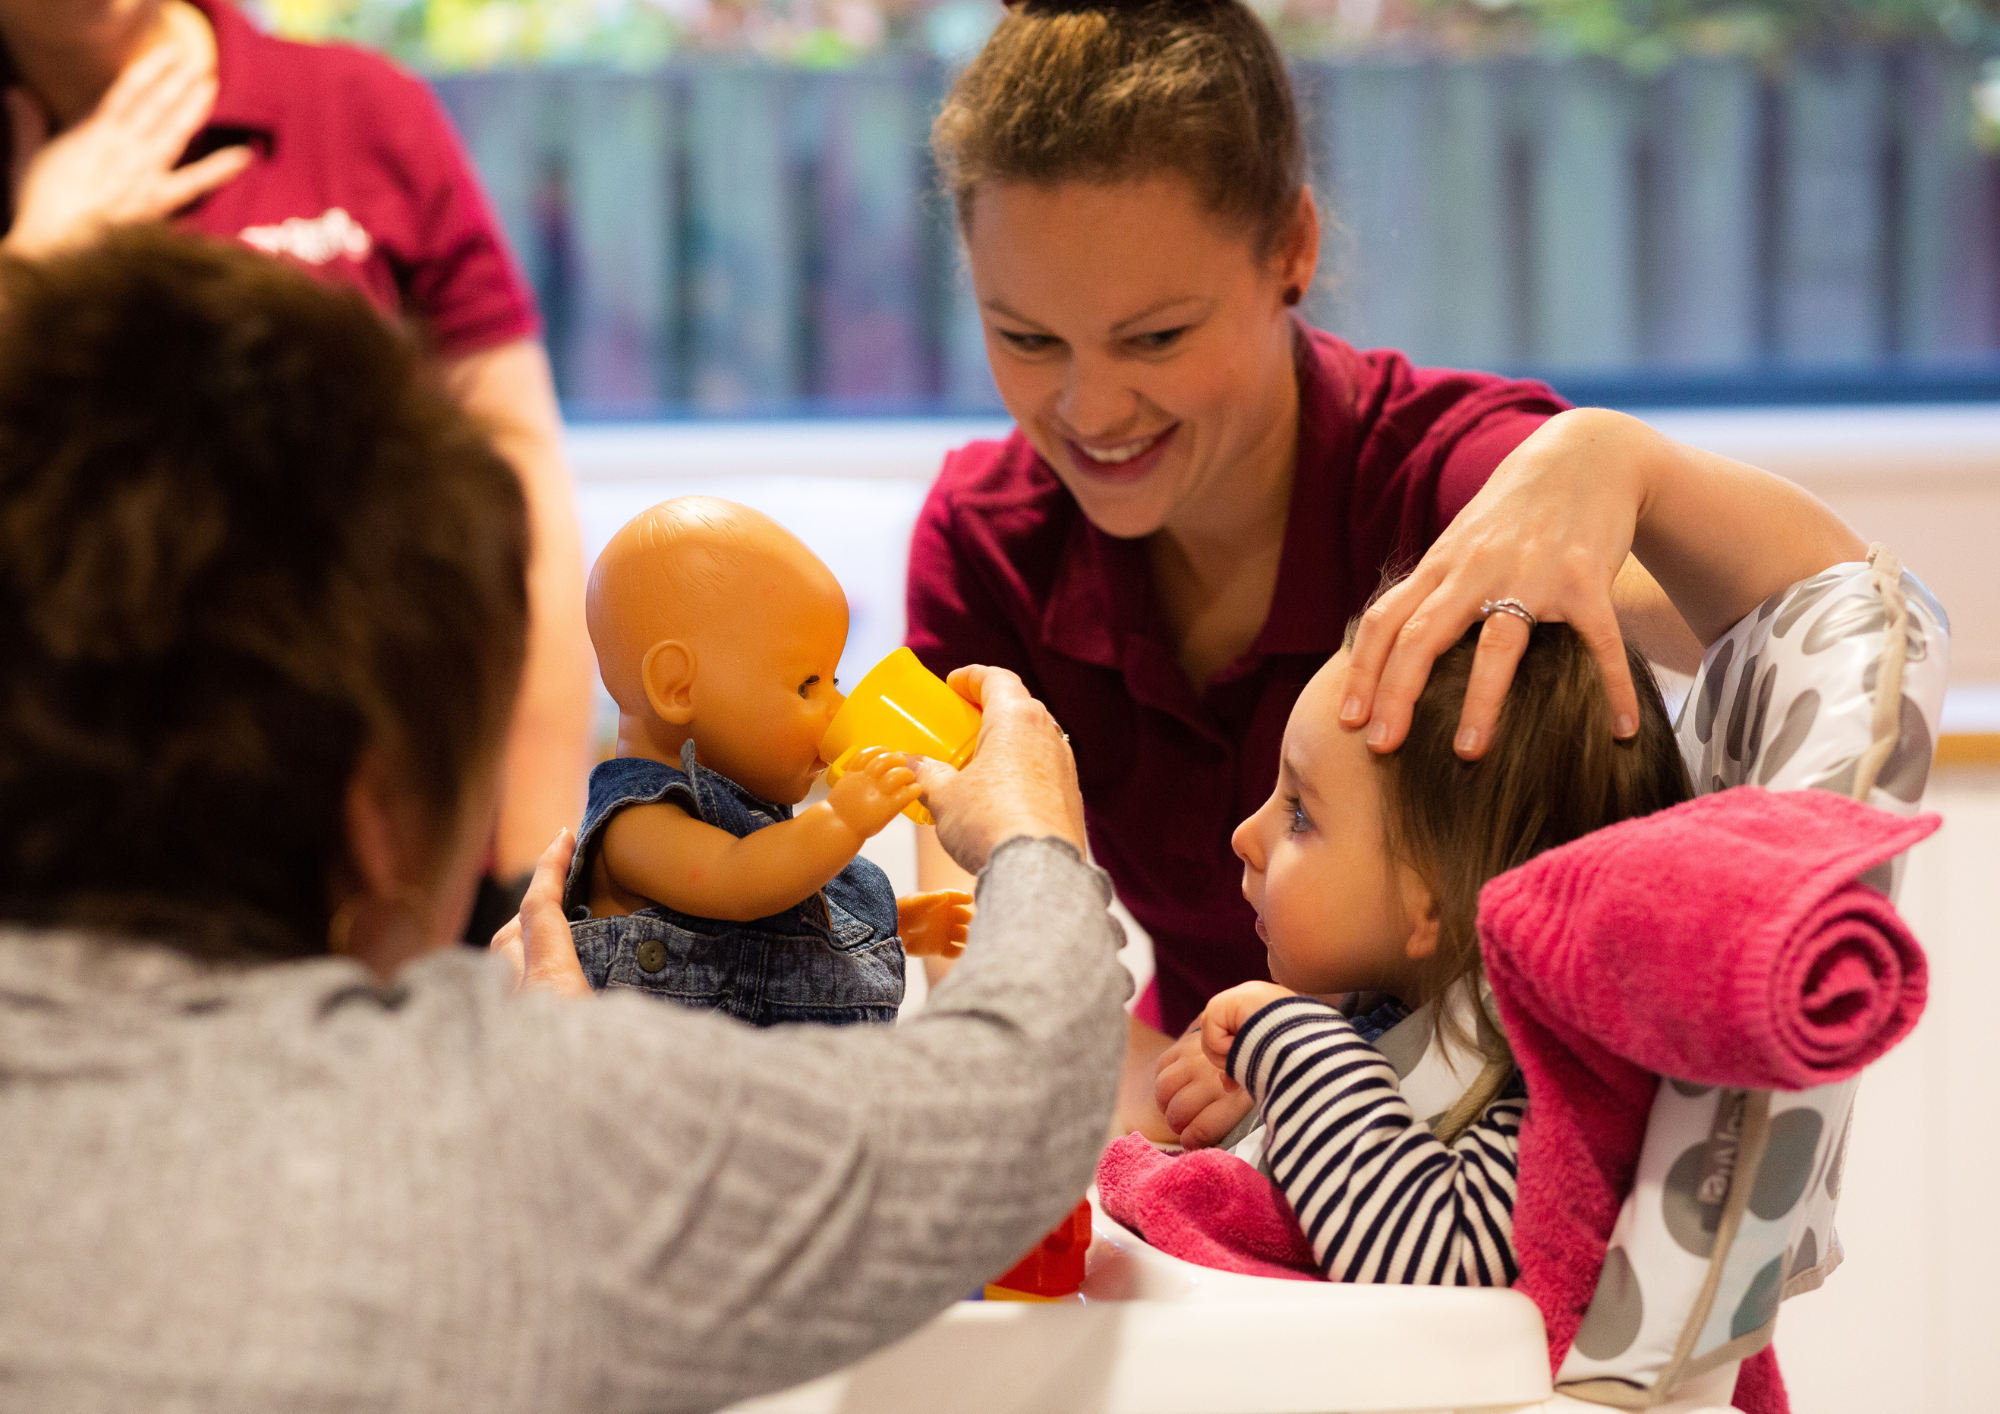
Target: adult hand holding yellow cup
(904,706)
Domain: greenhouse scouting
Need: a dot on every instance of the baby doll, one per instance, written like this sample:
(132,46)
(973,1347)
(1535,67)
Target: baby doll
(717,633)
(1365,873)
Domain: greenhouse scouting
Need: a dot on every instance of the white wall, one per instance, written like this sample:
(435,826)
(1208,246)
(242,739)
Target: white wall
(1910,1324)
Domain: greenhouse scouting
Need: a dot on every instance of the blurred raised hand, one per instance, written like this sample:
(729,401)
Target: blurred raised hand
(117,165)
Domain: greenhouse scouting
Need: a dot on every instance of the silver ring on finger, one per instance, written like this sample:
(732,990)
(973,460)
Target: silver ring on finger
(1509,605)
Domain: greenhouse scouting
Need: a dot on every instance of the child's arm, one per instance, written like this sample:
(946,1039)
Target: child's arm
(1378,1196)
(662,853)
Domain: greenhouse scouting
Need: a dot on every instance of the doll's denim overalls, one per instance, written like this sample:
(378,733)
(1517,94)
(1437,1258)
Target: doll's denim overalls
(833,959)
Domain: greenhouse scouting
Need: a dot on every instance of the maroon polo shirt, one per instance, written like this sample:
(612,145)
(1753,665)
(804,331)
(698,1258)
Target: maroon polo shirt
(358,176)
(1005,569)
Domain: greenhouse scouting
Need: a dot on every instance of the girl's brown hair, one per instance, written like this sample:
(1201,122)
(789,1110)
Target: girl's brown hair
(1108,92)
(1552,774)
(244,535)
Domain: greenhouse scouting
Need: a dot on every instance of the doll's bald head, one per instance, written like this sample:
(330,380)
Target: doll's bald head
(697,570)
(713,622)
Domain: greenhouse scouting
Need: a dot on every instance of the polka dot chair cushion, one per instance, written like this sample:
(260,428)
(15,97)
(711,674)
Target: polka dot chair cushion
(1733,1208)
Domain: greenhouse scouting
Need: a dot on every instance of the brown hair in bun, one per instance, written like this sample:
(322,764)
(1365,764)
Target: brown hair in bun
(1115,92)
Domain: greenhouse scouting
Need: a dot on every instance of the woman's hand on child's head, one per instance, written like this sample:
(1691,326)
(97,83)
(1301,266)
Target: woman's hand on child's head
(875,790)
(536,941)
(934,924)
(1226,1014)
(1201,1103)
(1550,530)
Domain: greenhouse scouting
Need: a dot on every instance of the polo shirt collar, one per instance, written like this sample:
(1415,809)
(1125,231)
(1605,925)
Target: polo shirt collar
(1101,606)
(247,94)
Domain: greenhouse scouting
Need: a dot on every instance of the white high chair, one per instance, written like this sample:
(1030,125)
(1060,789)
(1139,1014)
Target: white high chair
(1836,682)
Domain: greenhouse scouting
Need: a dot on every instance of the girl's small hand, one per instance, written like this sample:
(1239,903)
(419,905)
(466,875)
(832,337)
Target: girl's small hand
(1201,1103)
(536,941)
(1224,1017)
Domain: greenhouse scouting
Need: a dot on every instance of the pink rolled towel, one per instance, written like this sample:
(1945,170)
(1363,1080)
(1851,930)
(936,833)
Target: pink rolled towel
(1206,1207)
(1726,942)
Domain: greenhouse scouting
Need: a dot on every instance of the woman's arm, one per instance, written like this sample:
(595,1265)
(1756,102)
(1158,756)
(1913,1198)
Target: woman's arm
(1553,528)
(547,758)
(1376,1193)
(1719,536)
(743,1210)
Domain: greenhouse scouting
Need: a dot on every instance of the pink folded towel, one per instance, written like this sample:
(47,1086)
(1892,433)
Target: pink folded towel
(1726,942)
(1206,1207)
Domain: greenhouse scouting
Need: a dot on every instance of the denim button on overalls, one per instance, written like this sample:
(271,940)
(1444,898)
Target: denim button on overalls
(834,958)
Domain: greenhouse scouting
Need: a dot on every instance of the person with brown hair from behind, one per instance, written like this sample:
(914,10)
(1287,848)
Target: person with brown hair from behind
(718,633)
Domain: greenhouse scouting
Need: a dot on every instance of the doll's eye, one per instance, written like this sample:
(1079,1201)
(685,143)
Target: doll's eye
(805,688)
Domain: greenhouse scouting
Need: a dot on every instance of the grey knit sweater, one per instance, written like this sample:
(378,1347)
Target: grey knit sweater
(285,1188)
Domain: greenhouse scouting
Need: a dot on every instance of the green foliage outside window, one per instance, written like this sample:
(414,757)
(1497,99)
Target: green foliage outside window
(1646,35)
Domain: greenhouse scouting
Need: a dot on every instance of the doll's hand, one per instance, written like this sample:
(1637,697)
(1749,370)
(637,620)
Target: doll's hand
(536,942)
(1200,1102)
(934,924)
(874,791)
(1224,1017)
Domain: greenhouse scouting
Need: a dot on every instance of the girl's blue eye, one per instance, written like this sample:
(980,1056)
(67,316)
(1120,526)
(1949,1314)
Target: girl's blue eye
(1300,821)
(1160,341)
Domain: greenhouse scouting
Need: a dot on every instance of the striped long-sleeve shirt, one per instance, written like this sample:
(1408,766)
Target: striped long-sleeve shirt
(1379,1197)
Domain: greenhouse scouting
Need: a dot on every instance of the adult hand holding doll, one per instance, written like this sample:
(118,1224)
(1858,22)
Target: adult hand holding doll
(1021,781)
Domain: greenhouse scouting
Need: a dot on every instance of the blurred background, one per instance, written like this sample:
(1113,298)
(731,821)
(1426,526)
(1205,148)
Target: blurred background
(726,205)
(1770,227)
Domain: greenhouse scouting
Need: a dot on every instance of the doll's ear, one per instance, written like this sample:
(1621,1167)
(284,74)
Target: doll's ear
(667,671)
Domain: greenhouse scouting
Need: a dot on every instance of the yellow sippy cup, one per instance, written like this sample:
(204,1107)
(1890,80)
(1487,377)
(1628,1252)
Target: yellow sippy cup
(903,706)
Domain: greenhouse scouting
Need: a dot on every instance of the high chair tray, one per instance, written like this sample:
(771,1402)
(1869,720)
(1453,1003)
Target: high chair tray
(1151,1334)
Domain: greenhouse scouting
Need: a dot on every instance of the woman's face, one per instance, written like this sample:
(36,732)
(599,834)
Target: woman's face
(1139,342)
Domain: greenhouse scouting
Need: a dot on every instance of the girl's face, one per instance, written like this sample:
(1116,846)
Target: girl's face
(1336,912)
(1139,342)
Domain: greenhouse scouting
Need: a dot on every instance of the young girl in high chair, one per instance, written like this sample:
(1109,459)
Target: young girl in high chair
(1365,873)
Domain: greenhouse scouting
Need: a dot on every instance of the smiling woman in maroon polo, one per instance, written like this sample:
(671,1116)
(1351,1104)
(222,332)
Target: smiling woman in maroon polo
(1202,490)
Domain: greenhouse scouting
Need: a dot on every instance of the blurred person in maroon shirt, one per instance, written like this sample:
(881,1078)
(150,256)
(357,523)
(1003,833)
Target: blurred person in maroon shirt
(329,156)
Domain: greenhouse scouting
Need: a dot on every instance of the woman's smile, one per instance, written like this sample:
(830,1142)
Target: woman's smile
(1122,462)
